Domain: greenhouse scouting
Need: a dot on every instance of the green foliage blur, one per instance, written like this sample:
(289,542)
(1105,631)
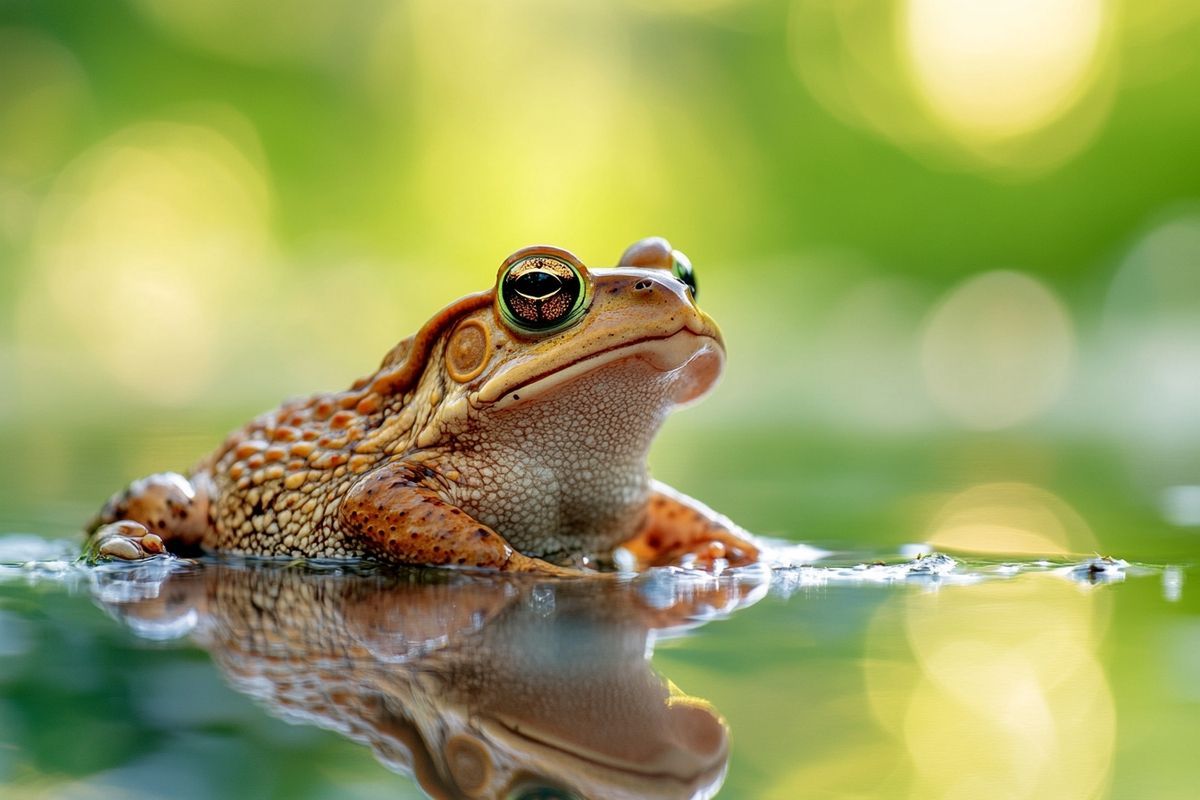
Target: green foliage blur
(954,246)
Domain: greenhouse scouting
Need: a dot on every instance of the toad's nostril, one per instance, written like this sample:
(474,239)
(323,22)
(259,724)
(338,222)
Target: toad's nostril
(642,286)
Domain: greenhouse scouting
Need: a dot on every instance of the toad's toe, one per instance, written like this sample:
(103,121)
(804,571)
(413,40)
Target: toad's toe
(125,541)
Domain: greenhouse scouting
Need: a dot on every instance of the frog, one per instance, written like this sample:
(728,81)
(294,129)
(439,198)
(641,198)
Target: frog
(474,685)
(510,433)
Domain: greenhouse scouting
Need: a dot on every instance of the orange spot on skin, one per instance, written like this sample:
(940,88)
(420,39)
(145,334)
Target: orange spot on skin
(247,449)
(237,471)
(286,434)
(255,461)
(349,401)
(296,479)
(360,463)
(309,435)
(323,409)
(340,420)
(274,453)
(323,460)
(368,405)
(303,449)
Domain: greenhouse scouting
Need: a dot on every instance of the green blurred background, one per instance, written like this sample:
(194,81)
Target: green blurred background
(954,246)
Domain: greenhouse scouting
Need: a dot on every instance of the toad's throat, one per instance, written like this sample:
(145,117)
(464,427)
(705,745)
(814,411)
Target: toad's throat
(669,353)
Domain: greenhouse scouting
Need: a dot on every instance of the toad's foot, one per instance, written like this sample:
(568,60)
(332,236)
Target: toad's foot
(124,540)
(681,531)
(153,515)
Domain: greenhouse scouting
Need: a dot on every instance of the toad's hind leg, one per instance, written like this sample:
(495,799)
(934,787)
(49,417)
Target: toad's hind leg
(398,514)
(160,513)
(678,528)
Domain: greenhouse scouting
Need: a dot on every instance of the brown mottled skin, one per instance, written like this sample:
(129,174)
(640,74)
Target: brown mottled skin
(476,443)
(477,686)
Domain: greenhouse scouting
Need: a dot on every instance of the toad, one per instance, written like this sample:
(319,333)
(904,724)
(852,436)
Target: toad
(509,433)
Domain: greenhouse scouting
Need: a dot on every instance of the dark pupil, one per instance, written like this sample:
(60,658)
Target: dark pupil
(537,285)
(685,273)
(540,298)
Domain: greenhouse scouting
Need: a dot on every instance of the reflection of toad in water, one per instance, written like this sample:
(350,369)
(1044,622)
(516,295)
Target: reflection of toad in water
(478,687)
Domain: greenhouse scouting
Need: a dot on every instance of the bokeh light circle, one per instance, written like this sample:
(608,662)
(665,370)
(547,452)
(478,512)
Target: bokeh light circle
(1013,89)
(992,69)
(144,243)
(997,350)
(1010,519)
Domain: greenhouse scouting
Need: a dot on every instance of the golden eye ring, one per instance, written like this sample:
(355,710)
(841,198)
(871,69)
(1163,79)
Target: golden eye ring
(541,290)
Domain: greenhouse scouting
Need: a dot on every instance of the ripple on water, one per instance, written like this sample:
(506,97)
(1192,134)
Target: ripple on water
(790,566)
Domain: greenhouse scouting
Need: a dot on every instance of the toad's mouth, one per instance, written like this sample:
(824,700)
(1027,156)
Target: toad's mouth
(695,359)
(671,766)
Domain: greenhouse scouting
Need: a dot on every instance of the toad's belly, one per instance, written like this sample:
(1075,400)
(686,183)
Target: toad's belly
(561,517)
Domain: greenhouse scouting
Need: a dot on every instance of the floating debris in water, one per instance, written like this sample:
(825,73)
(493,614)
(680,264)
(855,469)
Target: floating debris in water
(932,564)
(1101,569)
(914,549)
(932,568)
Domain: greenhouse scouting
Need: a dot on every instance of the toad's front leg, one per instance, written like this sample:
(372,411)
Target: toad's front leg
(154,515)
(678,528)
(400,513)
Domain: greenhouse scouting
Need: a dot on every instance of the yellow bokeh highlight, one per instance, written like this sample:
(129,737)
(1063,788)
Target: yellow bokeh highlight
(530,121)
(143,246)
(992,69)
(1010,88)
(995,692)
(1010,519)
(997,350)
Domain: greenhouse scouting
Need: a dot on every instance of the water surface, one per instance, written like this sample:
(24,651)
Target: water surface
(856,675)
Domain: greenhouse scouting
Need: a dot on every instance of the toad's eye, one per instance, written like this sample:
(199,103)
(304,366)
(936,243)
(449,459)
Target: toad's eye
(681,268)
(542,290)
